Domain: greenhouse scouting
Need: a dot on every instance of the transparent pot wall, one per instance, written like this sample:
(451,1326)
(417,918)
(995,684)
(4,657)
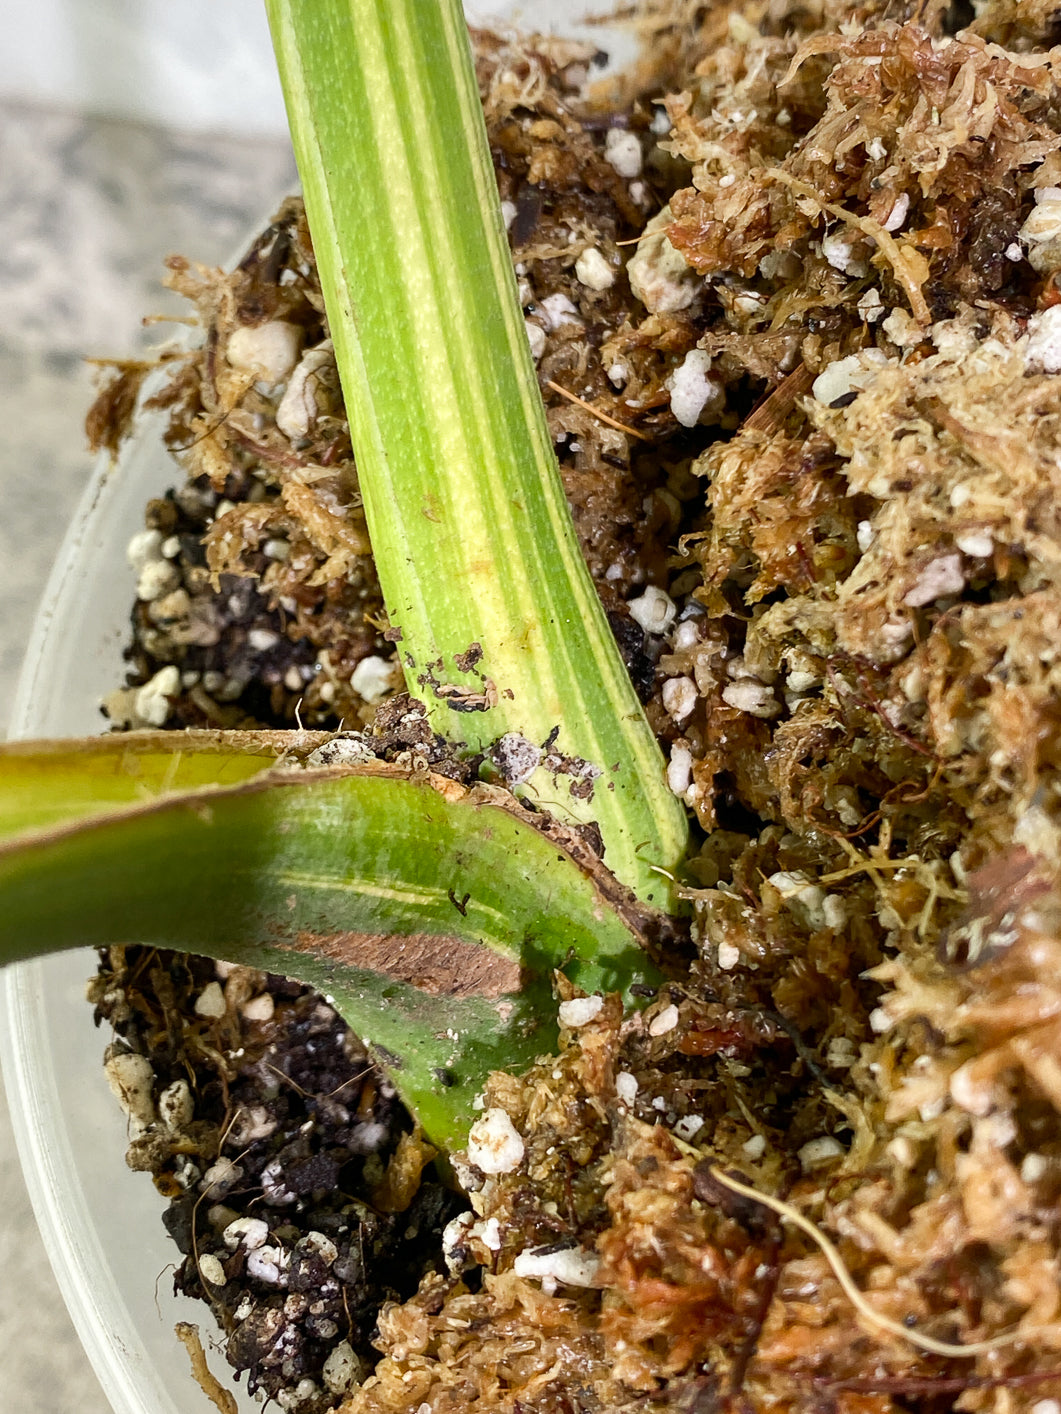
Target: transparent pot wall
(102,1225)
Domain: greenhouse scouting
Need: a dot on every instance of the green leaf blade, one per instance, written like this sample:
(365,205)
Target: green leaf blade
(433,916)
(43,783)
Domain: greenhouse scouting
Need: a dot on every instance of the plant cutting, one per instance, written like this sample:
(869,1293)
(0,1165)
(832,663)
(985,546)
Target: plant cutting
(498,623)
(818,1168)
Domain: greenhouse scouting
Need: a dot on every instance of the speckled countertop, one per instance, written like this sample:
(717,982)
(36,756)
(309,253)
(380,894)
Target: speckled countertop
(88,209)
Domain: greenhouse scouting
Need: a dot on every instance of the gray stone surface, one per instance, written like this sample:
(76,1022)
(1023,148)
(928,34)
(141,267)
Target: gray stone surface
(88,209)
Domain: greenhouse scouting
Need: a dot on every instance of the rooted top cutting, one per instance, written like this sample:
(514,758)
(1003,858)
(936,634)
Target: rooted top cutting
(852,661)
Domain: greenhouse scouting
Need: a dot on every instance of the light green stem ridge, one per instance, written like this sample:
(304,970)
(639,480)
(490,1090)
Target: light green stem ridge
(473,537)
(432,916)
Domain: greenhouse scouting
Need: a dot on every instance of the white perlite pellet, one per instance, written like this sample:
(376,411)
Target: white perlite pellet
(494,1143)
(1033,1167)
(131,1078)
(939,578)
(626,1087)
(846,251)
(558,310)
(755,698)
(807,899)
(664,1021)
(454,1238)
(253,1122)
(211,1270)
(270,351)
(970,1091)
(688,1127)
(220,1177)
(571,1265)
(871,306)
(246,1232)
(298,409)
(175,1106)
(489,1234)
(536,338)
(1041,232)
(659,275)
(152,701)
(579,1011)
(259,1008)
(321,1245)
(267,1264)
(679,697)
(654,611)
(1042,353)
(341,1368)
(679,769)
(977,544)
(144,548)
(898,214)
(687,633)
(593,270)
(157,579)
(728,956)
(340,751)
(694,392)
(853,374)
(622,150)
(303,1392)
(817,1152)
(211,1001)
(373,678)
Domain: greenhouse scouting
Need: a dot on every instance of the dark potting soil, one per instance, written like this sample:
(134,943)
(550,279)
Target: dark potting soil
(271,1139)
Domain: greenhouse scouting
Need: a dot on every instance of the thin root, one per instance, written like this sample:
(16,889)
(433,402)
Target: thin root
(923,1342)
(596,412)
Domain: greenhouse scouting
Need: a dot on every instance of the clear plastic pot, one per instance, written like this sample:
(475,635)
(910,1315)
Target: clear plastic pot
(101,1223)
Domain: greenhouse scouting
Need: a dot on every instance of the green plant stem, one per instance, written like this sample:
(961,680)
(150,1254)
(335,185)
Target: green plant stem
(433,916)
(473,538)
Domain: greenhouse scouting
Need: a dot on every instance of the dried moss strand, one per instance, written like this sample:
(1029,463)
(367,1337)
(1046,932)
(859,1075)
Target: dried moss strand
(889,246)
